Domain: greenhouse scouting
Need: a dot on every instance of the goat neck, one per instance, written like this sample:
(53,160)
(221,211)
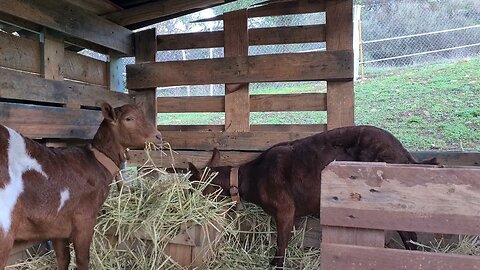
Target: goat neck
(106,141)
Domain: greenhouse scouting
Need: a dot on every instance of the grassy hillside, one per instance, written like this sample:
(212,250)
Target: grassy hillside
(431,107)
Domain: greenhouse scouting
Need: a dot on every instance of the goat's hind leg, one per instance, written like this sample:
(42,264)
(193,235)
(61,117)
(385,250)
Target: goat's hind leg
(62,253)
(6,244)
(406,237)
(284,220)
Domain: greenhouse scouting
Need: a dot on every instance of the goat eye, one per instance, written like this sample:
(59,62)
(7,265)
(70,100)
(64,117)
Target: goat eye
(129,119)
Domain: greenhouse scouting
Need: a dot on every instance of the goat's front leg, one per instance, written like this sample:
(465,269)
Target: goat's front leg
(6,244)
(82,239)
(62,253)
(284,219)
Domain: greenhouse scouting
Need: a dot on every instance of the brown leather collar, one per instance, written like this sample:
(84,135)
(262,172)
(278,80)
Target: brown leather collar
(234,192)
(105,161)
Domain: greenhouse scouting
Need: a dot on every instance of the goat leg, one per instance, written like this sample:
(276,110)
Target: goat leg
(62,253)
(6,244)
(284,220)
(82,239)
(406,237)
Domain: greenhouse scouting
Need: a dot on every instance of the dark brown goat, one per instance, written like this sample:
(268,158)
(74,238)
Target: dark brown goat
(285,179)
(55,194)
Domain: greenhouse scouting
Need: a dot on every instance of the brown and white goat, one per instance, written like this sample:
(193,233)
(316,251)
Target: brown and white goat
(285,179)
(56,194)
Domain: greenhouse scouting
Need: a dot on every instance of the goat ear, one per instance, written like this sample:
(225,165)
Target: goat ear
(108,112)
(196,176)
(215,160)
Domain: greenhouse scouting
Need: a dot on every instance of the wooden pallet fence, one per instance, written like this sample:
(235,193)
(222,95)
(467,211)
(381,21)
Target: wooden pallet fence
(361,200)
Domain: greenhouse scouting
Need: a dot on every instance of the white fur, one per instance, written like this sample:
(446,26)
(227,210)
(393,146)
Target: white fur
(64,196)
(19,161)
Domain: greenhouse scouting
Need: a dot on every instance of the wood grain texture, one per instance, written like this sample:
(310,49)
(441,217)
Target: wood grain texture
(85,69)
(353,236)
(258,103)
(53,52)
(237,99)
(157,9)
(281,8)
(145,52)
(264,128)
(19,53)
(36,121)
(339,36)
(401,197)
(334,65)
(229,140)
(257,36)
(70,20)
(451,158)
(345,257)
(23,86)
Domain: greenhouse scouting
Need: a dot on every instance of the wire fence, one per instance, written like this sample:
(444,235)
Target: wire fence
(392,34)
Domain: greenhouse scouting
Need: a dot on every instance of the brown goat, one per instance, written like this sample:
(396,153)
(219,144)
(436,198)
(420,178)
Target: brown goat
(56,194)
(285,179)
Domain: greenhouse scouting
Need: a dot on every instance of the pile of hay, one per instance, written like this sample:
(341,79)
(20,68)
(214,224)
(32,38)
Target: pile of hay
(156,205)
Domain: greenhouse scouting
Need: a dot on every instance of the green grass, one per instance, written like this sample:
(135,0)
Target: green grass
(430,107)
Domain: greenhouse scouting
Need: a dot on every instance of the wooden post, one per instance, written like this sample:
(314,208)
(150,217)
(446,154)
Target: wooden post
(53,53)
(237,100)
(145,51)
(339,36)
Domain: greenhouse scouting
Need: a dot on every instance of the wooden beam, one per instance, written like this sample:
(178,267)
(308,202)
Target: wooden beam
(19,53)
(347,257)
(314,66)
(36,121)
(257,36)
(392,197)
(281,8)
(97,7)
(157,9)
(145,52)
(53,52)
(237,100)
(251,141)
(339,34)
(85,69)
(451,158)
(71,21)
(23,86)
(258,103)
(262,128)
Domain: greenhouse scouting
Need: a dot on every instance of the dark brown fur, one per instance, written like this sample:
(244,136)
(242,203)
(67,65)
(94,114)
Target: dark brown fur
(35,215)
(285,179)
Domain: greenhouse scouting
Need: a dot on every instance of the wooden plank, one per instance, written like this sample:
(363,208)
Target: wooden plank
(95,6)
(258,103)
(345,257)
(339,34)
(257,36)
(266,128)
(353,236)
(180,159)
(313,66)
(145,52)
(50,122)
(229,140)
(157,9)
(70,20)
(53,52)
(85,69)
(19,53)
(280,8)
(392,197)
(451,158)
(237,100)
(23,86)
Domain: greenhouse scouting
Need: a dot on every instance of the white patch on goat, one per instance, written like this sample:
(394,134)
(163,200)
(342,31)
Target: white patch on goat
(64,196)
(19,161)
